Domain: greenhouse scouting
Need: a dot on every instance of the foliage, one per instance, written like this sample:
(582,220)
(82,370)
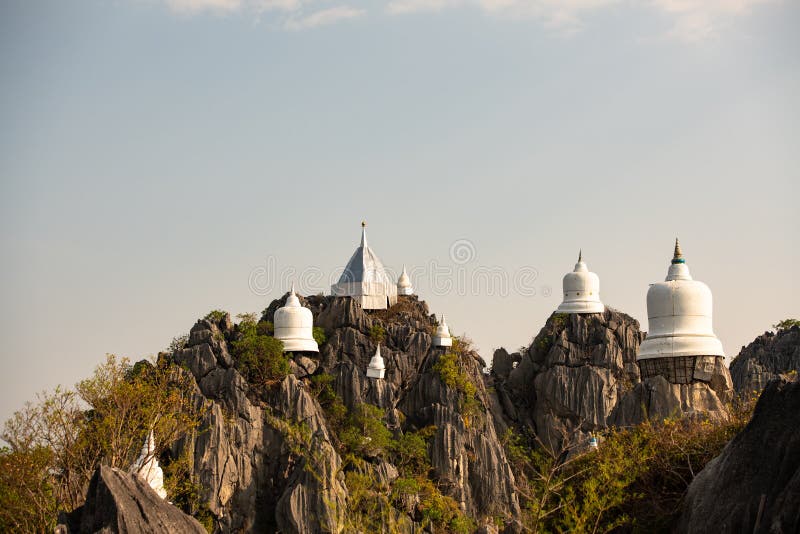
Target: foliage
(365,434)
(259,356)
(636,478)
(177,343)
(215,316)
(319,335)
(377,333)
(27,499)
(786,324)
(63,442)
(332,405)
(452,374)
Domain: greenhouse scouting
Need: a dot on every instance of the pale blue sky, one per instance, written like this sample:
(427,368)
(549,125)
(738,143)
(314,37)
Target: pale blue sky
(153,155)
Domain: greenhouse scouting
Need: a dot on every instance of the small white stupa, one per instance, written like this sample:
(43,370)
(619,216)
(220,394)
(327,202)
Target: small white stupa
(294,326)
(365,280)
(679,316)
(146,467)
(441,338)
(581,290)
(404,284)
(376,367)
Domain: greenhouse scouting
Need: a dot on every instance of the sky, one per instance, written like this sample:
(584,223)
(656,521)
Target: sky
(160,159)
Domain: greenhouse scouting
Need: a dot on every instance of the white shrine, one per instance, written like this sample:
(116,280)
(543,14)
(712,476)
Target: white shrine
(365,280)
(376,367)
(680,336)
(581,290)
(441,338)
(294,326)
(404,284)
(146,467)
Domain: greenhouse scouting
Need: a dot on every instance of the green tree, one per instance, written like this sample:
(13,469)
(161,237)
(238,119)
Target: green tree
(786,324)
(258,355)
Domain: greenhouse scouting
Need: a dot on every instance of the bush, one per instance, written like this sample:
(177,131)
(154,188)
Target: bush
(215,316)
(377,333)
(319,335)
(259,356)
(453,376)
(365,433)
(786,324)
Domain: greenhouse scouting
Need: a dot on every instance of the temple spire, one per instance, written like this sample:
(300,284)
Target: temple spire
(677,256)
(292,291)
(580,255)
(363,233)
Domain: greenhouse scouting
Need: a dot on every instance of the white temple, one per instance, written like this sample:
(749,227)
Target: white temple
(404,284)
(581,290)
(294,326)
(441,338)
(365,279)
(376,367)
(679,316)
(146,466)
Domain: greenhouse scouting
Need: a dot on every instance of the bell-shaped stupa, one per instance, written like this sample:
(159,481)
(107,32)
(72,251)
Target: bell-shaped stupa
(441,338)
(680,342)
(146,466)
(376,367)
(404,284)
(294,326)
(581,290)
(365,280)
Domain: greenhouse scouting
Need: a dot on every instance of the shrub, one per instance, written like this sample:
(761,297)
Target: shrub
(259,356)
(377,333)
(365,433)
(453,376)
(319,335)
(786,324)
(215,316)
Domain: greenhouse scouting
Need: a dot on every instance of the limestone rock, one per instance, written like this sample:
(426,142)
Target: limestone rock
(768,356)
(754,484)
(120,502)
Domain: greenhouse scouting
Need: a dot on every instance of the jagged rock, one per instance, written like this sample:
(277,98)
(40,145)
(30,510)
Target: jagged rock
(754,484)
(120,502)
(767,357)
(466,454)
(568,382)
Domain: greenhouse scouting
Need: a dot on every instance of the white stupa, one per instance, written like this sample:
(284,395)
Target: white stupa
(441,338)
(581,290)
(376,367)
(146,466)
(679,316)
(294,326)
(404,284)
(365,279)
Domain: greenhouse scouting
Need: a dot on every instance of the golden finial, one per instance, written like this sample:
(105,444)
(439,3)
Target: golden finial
(677,256)
(363,224)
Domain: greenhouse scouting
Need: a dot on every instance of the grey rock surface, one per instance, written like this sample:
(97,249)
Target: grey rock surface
(767,357)
(121,503)
(754,484)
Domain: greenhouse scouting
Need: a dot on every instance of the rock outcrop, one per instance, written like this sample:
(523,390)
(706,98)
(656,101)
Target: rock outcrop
(754,484)
(123,503)
(570,379)
(767,357)
(257,477)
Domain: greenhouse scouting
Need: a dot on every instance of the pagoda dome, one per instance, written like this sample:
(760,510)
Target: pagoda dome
(404,284)
(441,338)
(679,315)
(365,280)
(376,367)
(294,326)
(581,290)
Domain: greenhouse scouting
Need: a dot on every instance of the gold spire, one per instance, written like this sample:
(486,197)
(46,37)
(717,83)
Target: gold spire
(677,256)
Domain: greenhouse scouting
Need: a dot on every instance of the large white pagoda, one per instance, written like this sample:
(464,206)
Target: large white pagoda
(680,327)
(365,280)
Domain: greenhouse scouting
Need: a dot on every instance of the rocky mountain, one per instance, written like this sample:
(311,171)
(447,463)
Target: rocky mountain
(269,460)
(579,376)
(754,485)
(124,503)
(767,357)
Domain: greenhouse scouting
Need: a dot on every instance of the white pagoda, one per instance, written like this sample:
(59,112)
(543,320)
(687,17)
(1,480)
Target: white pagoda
(442,338)
(680,326)
(294,326)
(365,280)
(581,290)
(146,467)
(404,284)
(376,367)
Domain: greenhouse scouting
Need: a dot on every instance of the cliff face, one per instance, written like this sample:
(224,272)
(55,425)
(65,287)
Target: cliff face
(257,475)
(570,379)
(754,484)
(580,375)
(767,357)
